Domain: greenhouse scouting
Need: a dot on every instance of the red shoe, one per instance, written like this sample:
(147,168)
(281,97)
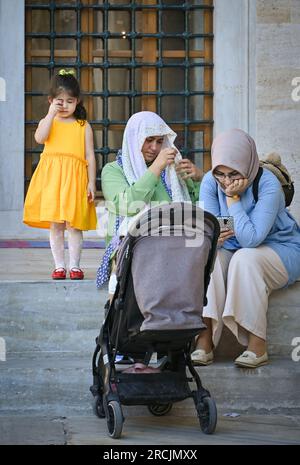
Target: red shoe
(76,273)
(59,273)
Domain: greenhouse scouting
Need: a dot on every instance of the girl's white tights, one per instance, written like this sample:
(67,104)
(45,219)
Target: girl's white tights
(75,246)
(57,231)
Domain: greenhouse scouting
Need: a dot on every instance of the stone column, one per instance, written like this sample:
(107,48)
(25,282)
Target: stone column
(234,59)
(11,117)
(278,80)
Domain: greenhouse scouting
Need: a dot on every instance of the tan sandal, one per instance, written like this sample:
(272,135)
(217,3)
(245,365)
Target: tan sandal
(200,357)
(249,359)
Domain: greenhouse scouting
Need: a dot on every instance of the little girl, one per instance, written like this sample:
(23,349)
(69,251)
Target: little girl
(62,189)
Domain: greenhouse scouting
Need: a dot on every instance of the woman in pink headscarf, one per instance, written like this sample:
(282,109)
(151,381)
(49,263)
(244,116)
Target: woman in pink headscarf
(261,253)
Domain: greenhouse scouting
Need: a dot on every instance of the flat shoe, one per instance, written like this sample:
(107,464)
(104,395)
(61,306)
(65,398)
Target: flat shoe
(200,357)
(249,359)
(76,273)
(59,273)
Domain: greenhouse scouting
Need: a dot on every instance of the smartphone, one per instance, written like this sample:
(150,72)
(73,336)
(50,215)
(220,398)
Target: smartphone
(226,222)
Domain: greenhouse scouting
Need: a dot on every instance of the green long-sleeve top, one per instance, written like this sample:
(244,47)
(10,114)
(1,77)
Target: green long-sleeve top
(119,195)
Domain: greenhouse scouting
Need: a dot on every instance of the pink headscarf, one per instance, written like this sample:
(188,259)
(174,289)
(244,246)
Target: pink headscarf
(236,150)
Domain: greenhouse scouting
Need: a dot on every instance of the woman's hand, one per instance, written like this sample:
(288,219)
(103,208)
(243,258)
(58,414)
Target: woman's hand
(186,169)
(224,235)
(164,158)
(237,187)
(91,191)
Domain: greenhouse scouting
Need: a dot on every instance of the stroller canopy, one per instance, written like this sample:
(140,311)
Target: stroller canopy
(170,247)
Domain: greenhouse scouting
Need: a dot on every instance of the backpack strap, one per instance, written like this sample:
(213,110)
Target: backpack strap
(256,182)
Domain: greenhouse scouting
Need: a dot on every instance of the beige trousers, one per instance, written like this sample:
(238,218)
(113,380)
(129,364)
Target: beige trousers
(239,289)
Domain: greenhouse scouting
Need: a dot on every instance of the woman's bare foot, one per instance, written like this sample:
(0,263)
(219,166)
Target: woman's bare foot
(257,345)
(204,340)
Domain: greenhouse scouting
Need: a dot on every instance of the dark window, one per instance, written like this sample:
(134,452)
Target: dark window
(129,56)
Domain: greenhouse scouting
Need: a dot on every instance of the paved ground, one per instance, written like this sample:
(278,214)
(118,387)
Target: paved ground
(148,430)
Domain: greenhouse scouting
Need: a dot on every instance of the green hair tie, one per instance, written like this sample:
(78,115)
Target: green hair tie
(64,72)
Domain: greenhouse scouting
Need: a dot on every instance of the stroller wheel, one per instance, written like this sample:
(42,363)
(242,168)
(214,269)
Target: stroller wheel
(159,410)
(207,413)
(115,419)
(98,407)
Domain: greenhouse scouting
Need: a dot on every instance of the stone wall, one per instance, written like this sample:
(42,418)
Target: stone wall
(277,99)
(11,117)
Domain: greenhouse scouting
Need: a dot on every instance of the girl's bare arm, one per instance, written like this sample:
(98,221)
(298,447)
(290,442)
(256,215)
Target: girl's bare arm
(90,157)
(43,129)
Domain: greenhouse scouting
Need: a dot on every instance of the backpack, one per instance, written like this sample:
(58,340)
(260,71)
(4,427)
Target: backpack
(273,163)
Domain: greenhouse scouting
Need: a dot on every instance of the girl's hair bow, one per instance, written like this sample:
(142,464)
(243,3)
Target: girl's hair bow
(64,72)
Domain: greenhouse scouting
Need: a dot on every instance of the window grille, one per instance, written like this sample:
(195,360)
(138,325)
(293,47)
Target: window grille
(129,56)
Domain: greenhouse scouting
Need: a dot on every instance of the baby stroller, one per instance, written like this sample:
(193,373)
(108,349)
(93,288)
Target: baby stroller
(163,271)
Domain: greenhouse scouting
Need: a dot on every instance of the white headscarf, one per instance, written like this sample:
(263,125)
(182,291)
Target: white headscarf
(140,126)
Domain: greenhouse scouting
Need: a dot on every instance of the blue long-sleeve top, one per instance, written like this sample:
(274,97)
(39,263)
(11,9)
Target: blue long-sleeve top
(265,222)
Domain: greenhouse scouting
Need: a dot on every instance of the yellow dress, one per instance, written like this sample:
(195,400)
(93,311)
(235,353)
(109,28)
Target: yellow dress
(58,188)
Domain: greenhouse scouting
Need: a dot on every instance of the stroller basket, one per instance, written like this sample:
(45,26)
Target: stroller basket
(159,341)
(151,388)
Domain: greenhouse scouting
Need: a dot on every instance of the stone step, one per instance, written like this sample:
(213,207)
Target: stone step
(66,316)
(58,384)
(51,316)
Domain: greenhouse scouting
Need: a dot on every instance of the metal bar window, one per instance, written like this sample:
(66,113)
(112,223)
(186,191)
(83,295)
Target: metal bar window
(129,56)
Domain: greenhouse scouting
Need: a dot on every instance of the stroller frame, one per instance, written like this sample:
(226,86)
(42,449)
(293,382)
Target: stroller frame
(112,388)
